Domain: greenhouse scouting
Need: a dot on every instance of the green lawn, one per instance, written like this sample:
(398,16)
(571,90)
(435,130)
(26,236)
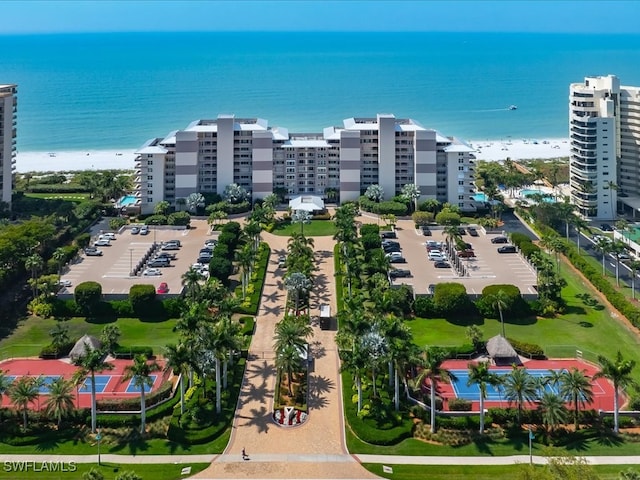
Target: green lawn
(32,333)
(590,329)
(109,470)
(464,472)
(317,228)
(73,197)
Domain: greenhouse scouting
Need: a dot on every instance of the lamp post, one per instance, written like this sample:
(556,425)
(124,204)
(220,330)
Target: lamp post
(98,438)
(131,262)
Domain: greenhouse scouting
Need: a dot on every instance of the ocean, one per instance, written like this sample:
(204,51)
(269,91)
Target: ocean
(115,91)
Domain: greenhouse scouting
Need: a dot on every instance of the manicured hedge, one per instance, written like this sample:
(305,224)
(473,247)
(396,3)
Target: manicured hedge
(123,351)
(528,349)
(129,404)
(252,303)
(515,304)
(369,228)
(459,405)
(50,351)
(113,420)
(451,298)
(87,296)
(383,208)
(142,298)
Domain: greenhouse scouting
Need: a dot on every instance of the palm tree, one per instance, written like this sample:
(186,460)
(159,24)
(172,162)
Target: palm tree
(140,374)
(245,258)
(575,386)
(603,247)
(59,255)
(410,192)
(553,244)
(430,362)
(297,283)
(60,399)
(519,387)
(302,217)
(579,224)
(501,301)
(90,363)
(375,193)
(617,248)
(452,235)
(376,348)
(34,263)
(59,336)
(480,375)
(564,211)
(399,341)
(191,282)
(617,372)
(5,383)
(179,360)
(553,410)
(289,359)
(634,265)
(291,331)
(22,392)
(195,201)
(180,203)
(109,337)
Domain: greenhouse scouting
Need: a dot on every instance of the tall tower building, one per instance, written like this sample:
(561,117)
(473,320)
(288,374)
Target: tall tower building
(8,113)
(604,165)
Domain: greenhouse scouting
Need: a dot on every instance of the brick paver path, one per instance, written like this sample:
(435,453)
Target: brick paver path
(316,448)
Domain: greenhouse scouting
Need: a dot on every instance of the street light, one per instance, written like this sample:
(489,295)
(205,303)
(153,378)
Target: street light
(98,438)
(131,262)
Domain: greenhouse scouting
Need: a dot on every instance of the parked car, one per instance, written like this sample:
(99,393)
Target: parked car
(472,231)
(431,288)
(393,254)
(107,236)
(64,283)
(102,243)
(435,255)
(388,234)
(162,288)
(144,230)
(466,253)
(507,249)
(499,240)
(177,242)
(167,255)
(441,264)
(206,250)
(202,259)
(461,231)
(282,261)
(426,232)
(159,262)
(391,248)
(171,246)
(210,243)
(135,231)
(399,272)
(605,227)
(397,260)
(433,244)
(151,272)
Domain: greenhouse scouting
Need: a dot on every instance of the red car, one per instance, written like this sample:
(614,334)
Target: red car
(163,288)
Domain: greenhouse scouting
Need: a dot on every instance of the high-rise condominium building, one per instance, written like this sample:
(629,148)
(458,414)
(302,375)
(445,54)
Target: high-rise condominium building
(604,166)
(8,112)
(337,164)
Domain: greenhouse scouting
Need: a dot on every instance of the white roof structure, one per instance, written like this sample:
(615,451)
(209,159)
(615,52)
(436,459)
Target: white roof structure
(309,203)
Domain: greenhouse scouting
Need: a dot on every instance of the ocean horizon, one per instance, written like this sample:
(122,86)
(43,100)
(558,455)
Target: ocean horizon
(115,91)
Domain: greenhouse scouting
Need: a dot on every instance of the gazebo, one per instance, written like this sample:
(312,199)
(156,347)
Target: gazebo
(501,351)
(309,203)
(86,343)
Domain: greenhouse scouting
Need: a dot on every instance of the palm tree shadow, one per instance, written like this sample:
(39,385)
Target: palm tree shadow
(265,370)
(319,386)
(260,418)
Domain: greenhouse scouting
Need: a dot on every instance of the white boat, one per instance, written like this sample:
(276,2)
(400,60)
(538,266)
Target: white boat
(513,107)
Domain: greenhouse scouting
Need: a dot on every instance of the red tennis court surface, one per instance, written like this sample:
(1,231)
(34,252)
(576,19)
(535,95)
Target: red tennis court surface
(113,387)
(602,388)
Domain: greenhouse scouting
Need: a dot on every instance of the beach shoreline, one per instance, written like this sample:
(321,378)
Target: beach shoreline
(73,160)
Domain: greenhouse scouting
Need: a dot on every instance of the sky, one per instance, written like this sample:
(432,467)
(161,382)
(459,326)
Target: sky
(546,16)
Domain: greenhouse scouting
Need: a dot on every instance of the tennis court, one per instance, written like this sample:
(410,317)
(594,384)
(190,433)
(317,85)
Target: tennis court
(109,385)
(459,388)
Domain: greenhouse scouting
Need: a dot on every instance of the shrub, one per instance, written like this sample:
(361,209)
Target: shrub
(422,218)
(221,268)
(123,351)
(122,308)
(117,223)
(87,296)
(459,405)
(232,227)
(529,349)
(173,307)
(142,298)
(133,403)
(369,228)
(179,218)
(370,241)
(156,220)
(424,307)
(53,351)
(515,304)
(450,298)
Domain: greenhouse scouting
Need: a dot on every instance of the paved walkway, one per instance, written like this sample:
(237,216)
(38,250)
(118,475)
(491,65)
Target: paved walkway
(317,446)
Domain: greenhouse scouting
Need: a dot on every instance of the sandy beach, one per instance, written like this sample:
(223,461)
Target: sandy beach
(124,159)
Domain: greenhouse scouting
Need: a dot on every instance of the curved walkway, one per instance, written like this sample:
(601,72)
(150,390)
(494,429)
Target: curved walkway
(316,447)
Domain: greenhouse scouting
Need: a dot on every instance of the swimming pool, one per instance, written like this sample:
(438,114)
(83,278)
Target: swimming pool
(127,200)
(528,192)
(472,392)
(480,197)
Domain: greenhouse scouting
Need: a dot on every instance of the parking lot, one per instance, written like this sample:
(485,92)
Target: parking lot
(488,267)
(112,269)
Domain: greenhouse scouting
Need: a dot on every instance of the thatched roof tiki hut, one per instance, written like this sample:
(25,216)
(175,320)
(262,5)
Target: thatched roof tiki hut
(501,351)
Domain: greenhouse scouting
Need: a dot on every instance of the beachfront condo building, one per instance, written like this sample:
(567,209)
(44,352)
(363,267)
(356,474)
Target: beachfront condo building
(8,114)
(337,164)
(604,163)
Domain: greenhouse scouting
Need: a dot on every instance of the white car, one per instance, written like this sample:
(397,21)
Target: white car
(64,283)
(436,255)
(210,243)
(107,236)
(151,272)
(393,254)
(103,242)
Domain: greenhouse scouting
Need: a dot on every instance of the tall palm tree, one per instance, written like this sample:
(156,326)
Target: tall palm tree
(479,374)
(519,387)
(230,343)
(60,399)
(90,363)
(140,374)
(618,248)
(34,263)
(634,265)
(59,256)
(580,224)
(302,217)
(5,383)
(430,363)
(575,386)
(617,372)
(22,392)
(603,247)
(501,301)
(452,235)
(289,360)
(191,282)
(564,211)
(553,244)
(245,257)
(179,360)
(399,341)
(553,410)
(291,331)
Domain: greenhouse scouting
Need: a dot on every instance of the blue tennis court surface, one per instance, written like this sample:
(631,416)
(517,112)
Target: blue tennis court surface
(101,384)
(472,392)
(46,381)
(132,388)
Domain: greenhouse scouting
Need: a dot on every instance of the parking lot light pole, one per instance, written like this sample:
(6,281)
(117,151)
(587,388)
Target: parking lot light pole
(131,262)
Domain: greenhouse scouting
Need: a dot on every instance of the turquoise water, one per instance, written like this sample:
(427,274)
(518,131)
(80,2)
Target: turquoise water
(127,200)
(526,193)
(480,197)
(115,91)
